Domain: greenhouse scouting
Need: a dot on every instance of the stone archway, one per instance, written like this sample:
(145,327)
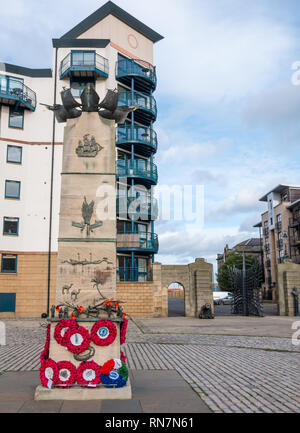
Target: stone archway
(176,300)
(197,280)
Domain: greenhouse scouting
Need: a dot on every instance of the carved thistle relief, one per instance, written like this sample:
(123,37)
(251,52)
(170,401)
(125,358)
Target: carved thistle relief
(88,147)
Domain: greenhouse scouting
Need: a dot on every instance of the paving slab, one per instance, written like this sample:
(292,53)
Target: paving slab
(270,326)
(81,406)
(10,406)
(121,406)
(41,407)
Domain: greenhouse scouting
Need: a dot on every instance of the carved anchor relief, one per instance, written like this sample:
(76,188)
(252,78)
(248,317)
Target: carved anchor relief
(89,148)
(87,212)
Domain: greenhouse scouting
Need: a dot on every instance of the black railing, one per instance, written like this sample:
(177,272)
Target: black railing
(137,274)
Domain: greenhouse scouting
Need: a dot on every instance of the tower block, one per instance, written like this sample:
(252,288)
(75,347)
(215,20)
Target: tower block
(87,230)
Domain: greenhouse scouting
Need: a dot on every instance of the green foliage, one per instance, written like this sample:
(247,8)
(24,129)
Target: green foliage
(234,260)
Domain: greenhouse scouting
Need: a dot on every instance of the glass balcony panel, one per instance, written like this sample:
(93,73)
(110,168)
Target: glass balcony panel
(14,89)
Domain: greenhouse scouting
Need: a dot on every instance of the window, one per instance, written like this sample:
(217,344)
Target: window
(12,189)
(16,117)
(14,154)
(83,58)
(285,197)
(279,222)
(10,226)
(9,263)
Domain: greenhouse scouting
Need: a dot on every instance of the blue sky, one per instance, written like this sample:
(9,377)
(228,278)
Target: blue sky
(229,116)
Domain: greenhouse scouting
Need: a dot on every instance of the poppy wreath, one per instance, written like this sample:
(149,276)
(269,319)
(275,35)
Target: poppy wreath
(104,333)
(67,373)
(61,328)
(114,374)
(123,357)
(123,332)
(45,353)
(88,373)
(49,373)
(76,340)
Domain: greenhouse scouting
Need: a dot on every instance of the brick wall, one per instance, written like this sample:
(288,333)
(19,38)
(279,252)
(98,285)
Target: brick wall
(30,284)
(138,298)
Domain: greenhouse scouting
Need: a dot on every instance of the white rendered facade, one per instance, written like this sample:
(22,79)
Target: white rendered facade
(109,37)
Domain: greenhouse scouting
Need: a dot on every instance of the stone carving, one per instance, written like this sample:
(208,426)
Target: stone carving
(67,289)
(86,262)
(87,212)
(108,108)
(74,295)
(88,148)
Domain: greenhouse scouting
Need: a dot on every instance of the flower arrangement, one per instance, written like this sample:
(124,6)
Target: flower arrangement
(61,328)
(67,373)
(76,340)
(123,331)
(48,373)
(88,373)
(103,333)
(114,374)
(123,357)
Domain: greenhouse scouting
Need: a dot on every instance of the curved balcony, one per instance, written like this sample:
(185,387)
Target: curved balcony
(14,91)
(146,111)
(137,209)
(144,139)
(147,242)
(140,169)
(84,64)
(143,74)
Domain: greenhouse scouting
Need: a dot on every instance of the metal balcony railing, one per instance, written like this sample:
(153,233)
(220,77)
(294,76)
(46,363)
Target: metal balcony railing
(294,222)
(143,72)
(138,168)
(137,241)
(141,274)
(137,208)
(146,104)
(146,137)
(84,61)
(15,90)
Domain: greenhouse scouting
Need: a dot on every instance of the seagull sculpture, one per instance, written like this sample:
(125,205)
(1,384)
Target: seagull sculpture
(90,102)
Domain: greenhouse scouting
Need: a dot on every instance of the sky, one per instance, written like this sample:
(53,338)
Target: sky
(229,114)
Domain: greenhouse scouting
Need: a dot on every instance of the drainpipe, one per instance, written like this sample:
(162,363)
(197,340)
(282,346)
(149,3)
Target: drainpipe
(51,188)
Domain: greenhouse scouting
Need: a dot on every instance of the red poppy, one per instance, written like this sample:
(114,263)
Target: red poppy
(73,316)
(58,308)
(80,309)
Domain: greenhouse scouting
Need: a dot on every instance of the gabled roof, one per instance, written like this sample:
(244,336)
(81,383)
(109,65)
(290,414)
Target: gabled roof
(111,8)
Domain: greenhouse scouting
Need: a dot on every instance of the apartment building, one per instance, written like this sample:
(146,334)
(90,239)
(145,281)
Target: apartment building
(109,49)
(251,247)
(280,231)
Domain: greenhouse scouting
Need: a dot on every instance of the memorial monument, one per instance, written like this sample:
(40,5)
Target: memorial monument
(82,358)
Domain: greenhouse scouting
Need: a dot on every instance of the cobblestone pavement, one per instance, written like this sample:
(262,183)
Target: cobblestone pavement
(230,373)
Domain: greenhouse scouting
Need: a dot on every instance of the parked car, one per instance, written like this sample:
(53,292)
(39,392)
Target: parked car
(227,300)
(218,296)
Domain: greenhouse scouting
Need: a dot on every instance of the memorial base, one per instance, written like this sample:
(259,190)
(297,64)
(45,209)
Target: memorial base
(76,393)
